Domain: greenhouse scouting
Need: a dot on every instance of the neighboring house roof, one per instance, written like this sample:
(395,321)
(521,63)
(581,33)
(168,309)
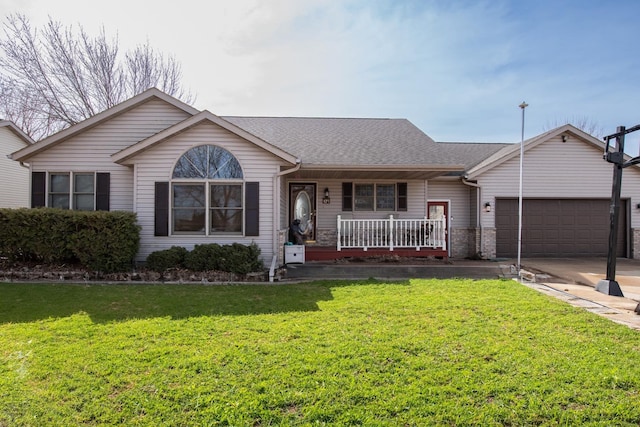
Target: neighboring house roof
(100,118)
(513,150)
(124,155)
(17,131)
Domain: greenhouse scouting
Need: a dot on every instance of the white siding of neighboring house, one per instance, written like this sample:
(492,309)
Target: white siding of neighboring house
(14,178)
(556,169)
(156,164)
(90,151)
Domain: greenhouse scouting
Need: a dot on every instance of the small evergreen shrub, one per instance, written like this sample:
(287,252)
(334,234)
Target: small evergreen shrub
(204,257)
(240,259)
(161,261)
(235,258)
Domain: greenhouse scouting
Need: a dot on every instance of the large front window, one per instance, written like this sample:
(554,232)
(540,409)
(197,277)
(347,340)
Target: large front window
(208,192)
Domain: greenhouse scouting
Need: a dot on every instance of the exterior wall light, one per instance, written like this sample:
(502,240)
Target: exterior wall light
(487,207)
(326,199)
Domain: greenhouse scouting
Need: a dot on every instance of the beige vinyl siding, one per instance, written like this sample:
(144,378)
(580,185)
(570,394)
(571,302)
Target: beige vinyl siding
(457,194)
(556,169)
(327,214)
(91,151)
(14,178)
(156,164)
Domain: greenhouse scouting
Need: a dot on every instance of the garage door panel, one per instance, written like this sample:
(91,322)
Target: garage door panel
(557,227)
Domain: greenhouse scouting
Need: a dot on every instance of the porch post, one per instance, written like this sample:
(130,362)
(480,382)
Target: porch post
(391,237)
(338,244)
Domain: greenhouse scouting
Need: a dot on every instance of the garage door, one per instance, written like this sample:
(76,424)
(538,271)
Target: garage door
(554,227)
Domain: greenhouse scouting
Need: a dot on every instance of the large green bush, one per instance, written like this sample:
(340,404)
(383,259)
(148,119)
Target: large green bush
(100,241)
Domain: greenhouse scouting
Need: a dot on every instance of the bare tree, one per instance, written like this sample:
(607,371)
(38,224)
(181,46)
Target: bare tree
(56,77)
(583,123)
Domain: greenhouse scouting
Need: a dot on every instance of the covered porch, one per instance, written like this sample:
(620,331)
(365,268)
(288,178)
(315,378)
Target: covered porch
(421,237)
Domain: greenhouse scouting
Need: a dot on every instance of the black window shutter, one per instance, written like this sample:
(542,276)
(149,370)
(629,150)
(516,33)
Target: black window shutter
(38,187)
(347,196)
(161,222)
(103,189)
(402,196)
(252,209)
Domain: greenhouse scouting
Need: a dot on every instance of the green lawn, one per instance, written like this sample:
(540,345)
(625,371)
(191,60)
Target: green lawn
(414,353)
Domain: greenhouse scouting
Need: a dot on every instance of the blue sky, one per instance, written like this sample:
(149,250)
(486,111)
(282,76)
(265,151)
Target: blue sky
(456,69)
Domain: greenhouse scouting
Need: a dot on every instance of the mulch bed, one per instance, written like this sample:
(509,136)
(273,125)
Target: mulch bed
(33,272)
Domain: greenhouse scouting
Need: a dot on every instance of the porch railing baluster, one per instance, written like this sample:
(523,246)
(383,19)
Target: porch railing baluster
(391,233)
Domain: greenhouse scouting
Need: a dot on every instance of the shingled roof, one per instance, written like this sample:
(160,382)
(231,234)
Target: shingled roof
(470,154)
(337,141)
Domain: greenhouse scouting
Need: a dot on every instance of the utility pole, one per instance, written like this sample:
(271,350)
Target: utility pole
(609,285)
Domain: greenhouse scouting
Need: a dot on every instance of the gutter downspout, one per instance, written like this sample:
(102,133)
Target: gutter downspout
(276,216)
(478,209)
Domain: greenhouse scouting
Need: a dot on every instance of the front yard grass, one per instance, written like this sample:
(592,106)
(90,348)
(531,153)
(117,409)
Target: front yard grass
(419,352)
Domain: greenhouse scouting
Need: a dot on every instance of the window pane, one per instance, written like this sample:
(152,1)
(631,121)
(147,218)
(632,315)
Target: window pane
(83,183)
(226,196)
(189,220)
(188,195)
(385,197)
(364,197)
(83,202)
(60,201)
(59,183)
(207,162)
(226,220)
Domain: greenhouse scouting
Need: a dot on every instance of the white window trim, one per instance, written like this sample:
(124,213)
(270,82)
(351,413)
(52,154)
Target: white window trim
(71,188)
(207,190)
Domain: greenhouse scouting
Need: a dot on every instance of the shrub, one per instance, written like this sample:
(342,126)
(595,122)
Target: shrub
(106,241)
(101,241)
(234,258)
(161,261)
(240,259)
(204,257)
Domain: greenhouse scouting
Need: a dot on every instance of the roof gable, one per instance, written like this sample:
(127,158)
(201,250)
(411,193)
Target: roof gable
(17,131)
(125,156)
(513,150)
(99,118)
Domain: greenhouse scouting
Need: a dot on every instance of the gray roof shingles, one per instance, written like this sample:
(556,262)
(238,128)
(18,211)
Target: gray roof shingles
(361,142)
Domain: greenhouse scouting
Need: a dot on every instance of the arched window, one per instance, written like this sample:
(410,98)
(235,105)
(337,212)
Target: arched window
(207,162)
(207,192)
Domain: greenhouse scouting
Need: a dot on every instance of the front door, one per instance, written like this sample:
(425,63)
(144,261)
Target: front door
(302,207)
(439,210)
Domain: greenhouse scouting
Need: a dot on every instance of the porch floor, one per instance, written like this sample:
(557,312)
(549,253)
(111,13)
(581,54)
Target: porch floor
(326,253)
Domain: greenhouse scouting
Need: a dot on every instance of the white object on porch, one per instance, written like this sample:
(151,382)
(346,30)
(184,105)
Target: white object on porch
(392,233)
(294,254)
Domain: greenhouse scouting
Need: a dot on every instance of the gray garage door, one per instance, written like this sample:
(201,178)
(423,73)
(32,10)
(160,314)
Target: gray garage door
(557,227)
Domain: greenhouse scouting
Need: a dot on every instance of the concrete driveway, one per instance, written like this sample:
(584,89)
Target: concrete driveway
(574,280)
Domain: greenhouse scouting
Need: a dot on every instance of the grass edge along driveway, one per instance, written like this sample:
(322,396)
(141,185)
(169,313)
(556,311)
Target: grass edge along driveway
(417,352)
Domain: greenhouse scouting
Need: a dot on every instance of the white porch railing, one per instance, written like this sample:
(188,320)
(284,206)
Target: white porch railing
(392,233)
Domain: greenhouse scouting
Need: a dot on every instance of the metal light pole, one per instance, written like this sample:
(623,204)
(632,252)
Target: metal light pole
(522,107)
